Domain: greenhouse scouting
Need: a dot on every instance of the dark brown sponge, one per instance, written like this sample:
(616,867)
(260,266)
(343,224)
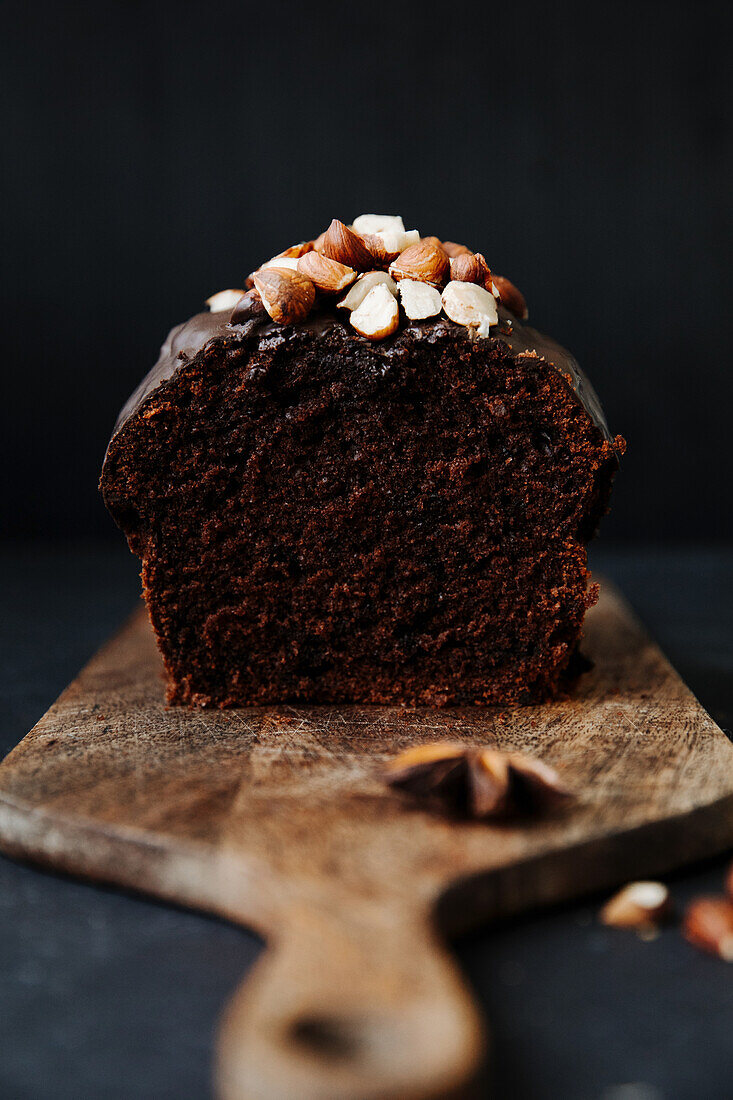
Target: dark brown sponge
(323,520)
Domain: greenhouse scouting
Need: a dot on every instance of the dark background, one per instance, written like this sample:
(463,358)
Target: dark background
(156,152)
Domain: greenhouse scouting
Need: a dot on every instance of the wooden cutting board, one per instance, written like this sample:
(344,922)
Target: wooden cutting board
(277,818)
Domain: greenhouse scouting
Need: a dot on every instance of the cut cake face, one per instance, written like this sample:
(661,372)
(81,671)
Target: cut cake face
(326,516)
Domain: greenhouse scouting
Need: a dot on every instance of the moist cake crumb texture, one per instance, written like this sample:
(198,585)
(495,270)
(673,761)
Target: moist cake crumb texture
(324,517)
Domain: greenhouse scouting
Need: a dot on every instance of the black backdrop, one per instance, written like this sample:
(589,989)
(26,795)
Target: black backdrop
(155,152)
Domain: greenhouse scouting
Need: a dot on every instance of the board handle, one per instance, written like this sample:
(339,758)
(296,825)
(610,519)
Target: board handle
(348,1004)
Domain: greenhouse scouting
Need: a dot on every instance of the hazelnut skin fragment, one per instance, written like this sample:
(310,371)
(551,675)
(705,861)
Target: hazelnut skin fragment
(476,783)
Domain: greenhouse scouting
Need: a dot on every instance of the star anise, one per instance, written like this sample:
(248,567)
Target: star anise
(476,783)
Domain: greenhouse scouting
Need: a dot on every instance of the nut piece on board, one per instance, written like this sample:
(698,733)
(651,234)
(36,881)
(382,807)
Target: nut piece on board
(511,297)
(639,905)
(378,315)
(223,299)
(328,276)
(287,295)
(476,783)
(471,305)
(419,300)
(708,924)
(363,285)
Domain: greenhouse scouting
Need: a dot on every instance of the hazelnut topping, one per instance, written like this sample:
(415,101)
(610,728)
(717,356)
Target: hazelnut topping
(328,276)
(378,315)
(425,262)
(376,251)
(223,300)
(287,295)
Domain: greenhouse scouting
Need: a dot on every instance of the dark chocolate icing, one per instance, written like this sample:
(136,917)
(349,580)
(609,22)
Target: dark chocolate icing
(187,340)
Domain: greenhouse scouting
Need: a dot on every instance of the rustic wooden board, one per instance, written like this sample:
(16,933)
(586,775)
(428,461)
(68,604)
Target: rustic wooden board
(276,818)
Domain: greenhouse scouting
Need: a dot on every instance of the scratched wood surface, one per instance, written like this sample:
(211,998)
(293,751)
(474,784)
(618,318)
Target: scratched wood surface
(276,818)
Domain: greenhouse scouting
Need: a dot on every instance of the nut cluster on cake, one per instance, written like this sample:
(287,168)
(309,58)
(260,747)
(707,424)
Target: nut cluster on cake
(371,269)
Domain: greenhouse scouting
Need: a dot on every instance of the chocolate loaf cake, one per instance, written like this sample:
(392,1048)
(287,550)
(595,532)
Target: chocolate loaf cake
(364,479)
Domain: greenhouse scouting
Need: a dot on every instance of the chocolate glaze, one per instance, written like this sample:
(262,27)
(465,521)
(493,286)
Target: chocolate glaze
(187,340)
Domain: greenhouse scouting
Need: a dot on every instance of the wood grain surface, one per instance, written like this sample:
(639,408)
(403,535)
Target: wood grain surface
(277,818)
